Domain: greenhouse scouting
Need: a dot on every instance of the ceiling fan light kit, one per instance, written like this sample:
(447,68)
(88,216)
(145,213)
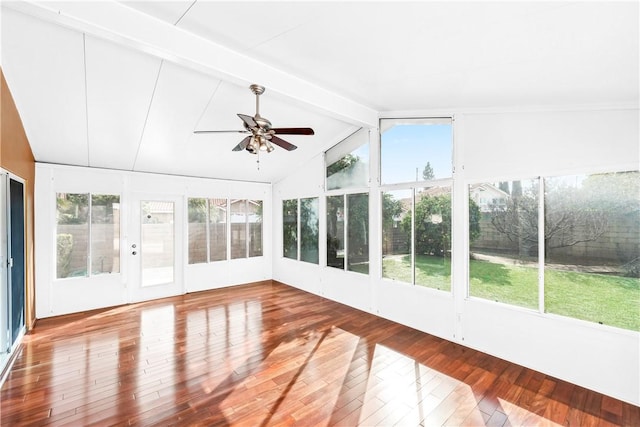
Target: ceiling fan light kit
(263,135)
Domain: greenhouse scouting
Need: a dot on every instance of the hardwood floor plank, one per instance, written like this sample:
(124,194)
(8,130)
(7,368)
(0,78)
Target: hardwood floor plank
(267,354)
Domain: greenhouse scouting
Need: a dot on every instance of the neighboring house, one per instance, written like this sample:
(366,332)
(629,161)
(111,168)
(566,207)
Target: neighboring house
(487,195)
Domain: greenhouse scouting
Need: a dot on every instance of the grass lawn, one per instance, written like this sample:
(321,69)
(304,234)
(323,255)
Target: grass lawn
(608,299)
(432,272)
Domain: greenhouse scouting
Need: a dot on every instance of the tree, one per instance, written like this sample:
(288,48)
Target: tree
(290,228)
(197,210)
(575,212)
(345,162)
(309,224)
(72,208)
(391,208)
(427,172)
(432,221)
(358,226)
(517,219)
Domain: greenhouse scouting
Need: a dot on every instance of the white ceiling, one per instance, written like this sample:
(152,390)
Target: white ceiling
(124,85)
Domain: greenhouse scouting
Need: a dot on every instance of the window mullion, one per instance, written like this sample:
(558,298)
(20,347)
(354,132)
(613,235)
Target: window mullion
(413,236)
(298,229)
(246,225)
(345,222)
(541,245)
(89,236)
(207,230)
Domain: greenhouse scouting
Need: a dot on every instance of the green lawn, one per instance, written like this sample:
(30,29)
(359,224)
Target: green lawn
(608,299)
(432,272)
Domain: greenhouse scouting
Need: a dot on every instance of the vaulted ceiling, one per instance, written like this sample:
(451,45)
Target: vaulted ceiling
(123,85)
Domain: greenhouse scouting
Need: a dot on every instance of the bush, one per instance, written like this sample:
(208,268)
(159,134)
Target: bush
(64,247)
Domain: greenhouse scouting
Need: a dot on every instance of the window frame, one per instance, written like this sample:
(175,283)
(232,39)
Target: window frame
(345,147)
(541,262)
(207,224)
(412,186)
(345,232)
(89,250)
(402,184)
(298,206)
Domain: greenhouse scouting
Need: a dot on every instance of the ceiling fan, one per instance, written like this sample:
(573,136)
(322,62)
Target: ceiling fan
(262,135)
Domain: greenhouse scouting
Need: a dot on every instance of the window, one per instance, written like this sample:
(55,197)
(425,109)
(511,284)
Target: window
(306,218)
(415,149)
(309,224)
(503,237)
(207,230)
(416,218)
(432,241)
(246,228)
(197,231)
(290,228)
(356,235)
(416,234)
(592,248)
(347,164)
(217,229)
(397,223)
(254,224)
(238,229)
(87,234)
(335,231)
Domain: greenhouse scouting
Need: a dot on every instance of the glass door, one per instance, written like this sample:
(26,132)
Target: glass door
(155,247)
(5,329)
(12,258)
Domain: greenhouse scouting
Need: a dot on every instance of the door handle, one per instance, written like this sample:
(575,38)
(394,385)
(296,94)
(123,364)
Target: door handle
(134,253)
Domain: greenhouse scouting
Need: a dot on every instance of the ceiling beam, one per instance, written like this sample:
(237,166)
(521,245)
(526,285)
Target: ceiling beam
(119,23)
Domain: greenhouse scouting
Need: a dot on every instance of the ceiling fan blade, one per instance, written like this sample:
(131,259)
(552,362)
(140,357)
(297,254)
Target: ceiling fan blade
(243,144)
(248,120)
(293,131)
(221,131)
(282,143)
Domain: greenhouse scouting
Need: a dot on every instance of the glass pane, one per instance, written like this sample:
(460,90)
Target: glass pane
(105,233)
(218,229)
(396,235)
(335,231)
(433,237)
(197,230)
(309,211)
(72,234)
(352,169)
(592,248)
(503,231)
(156,246)
(415,149)
(255,227)
(238,229)
(358,232)
(290,228)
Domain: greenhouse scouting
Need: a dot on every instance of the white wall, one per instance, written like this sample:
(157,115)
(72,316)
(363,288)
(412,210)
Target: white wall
(56,297)
(490,146)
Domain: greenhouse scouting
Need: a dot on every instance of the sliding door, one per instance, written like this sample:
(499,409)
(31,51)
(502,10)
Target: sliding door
(12,258)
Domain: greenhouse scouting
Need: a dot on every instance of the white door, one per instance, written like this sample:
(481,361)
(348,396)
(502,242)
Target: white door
(155,247)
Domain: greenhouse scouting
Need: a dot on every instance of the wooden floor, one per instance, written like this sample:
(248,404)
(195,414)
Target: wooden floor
(268,354)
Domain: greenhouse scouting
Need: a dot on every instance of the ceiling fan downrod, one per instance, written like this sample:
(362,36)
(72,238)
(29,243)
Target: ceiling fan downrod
(257,90)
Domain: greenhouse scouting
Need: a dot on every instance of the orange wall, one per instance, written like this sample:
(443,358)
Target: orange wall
(16,157)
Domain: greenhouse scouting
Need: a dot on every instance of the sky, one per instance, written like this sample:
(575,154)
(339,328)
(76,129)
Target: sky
(407,147)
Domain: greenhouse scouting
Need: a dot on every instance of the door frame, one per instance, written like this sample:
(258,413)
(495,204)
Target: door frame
(138,293)
(9,343)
